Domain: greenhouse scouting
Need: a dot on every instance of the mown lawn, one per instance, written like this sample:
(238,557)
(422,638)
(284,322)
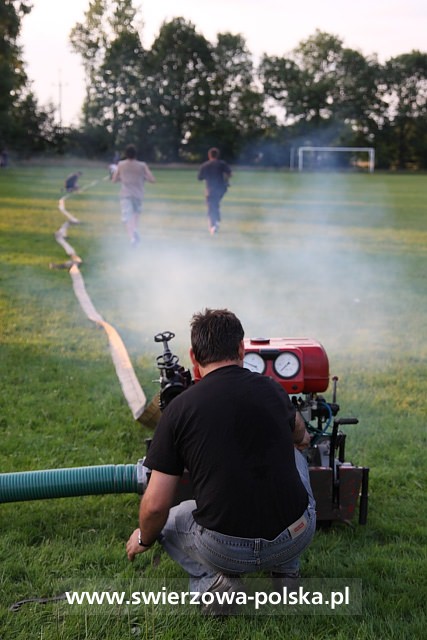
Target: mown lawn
(340,258)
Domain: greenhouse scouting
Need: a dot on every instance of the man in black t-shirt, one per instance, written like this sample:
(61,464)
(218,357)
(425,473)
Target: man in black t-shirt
(216,173)
(236,432)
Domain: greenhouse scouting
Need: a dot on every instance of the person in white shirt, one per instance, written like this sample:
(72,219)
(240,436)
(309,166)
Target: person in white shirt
(132,174)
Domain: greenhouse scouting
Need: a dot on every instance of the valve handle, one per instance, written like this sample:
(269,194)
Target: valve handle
(164,337)
(340,421)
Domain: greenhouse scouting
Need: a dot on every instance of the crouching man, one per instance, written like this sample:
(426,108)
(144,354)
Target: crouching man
(238,435)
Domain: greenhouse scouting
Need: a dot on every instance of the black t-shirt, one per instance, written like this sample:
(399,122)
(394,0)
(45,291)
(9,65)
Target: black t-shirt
(71,181)
(232,430)
(216,173)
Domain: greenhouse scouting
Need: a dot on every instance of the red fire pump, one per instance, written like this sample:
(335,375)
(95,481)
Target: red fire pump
(301,367)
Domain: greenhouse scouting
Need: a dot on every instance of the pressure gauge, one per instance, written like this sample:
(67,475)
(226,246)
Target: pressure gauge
(287,364)
(254,362)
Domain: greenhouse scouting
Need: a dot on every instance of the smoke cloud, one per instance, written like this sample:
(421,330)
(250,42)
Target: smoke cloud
(295,256)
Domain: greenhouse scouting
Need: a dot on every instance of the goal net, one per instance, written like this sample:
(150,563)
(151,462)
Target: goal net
(321,157)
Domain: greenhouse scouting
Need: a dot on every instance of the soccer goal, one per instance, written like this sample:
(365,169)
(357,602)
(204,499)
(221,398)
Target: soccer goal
(316,155)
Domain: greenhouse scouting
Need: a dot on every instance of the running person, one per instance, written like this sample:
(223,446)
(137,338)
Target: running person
(132,175)
(216,173)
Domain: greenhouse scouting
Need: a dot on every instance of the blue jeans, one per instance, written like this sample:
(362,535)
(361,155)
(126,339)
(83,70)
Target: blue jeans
(204,553)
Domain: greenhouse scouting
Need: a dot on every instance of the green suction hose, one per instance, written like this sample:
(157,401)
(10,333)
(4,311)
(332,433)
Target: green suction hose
(79,481)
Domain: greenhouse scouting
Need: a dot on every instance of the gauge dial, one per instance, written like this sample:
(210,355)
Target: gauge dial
(287,364)
(254,362)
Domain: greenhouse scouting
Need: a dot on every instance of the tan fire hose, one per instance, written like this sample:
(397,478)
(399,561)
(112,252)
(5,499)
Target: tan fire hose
(131,388)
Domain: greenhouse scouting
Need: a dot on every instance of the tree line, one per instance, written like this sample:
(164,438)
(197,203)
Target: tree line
(185,94)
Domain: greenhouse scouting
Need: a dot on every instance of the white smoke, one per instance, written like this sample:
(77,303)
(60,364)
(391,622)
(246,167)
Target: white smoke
(291,259)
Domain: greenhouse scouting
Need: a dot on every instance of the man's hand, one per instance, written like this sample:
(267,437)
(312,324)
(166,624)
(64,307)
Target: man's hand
(133,547)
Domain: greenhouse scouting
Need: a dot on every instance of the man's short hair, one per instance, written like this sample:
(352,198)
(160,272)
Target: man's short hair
(213,153)
(215,336)
(130,151)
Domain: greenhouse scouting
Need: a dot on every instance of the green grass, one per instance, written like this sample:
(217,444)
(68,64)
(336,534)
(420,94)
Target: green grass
(340,258)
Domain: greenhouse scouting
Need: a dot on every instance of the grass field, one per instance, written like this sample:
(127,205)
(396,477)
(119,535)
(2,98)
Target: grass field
(341,258)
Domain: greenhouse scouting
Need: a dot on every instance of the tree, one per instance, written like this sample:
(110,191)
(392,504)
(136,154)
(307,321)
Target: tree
(304,83)
(119,101)
(326,85)
(180,66)
(186,94)
(404,86)
(89,39)
(34,129)
(236,109)
(112,53)
(13,78)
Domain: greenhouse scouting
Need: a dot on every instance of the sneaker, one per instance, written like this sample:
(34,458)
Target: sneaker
(289,580)
(136,239)
(224,584)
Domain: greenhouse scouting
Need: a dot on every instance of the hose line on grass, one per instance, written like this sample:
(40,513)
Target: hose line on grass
(131,388)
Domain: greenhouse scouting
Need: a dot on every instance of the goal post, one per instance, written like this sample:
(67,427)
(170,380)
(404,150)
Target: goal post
(369,150)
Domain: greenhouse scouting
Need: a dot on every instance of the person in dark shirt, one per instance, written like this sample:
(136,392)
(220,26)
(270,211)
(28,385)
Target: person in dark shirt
(237,433)
(216,173)
(71,183)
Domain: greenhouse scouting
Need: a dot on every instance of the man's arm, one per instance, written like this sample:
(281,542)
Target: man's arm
(153,511)
(116,175)
(227,173)
(148,176)
(300,434)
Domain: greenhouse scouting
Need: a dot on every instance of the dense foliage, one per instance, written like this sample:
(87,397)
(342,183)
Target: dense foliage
(24,125)
(185,93)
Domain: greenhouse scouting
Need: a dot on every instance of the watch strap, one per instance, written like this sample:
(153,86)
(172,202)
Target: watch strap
(142,544)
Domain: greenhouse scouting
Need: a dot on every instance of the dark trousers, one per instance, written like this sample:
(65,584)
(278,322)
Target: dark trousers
(213,199)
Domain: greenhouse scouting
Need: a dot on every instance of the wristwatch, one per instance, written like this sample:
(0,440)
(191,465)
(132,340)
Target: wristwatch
(142,544)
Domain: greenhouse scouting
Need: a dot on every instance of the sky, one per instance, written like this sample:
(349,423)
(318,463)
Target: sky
(384,27)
